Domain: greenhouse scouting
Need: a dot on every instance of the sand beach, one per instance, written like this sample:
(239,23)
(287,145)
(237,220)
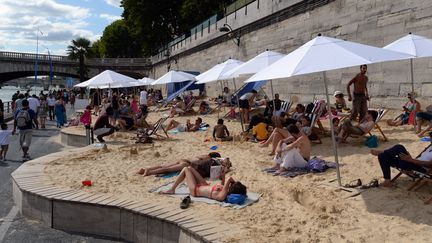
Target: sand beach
(307,208)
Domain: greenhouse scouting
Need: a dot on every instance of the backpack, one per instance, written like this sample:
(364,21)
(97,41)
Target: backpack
(23,118)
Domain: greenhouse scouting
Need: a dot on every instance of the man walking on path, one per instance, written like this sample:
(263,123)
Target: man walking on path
(23,120)
(361,95)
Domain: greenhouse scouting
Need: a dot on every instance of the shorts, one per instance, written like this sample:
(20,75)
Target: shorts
(25,137)
(129,122)
(4,146)
(181,128)
(101,131)
(244,104)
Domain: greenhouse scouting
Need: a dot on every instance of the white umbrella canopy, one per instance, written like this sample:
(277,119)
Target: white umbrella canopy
(106,78)
(174,77)
(146,81)
(255,64)
(415,45)
(218,72)
(322,54)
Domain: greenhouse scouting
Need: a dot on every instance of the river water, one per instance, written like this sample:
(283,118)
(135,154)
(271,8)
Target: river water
(6,92)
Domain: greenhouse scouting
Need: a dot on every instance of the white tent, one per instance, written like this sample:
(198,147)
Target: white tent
(174,77)
(218,72)
(146,81)
(107,79)
(415,45)
(322,54)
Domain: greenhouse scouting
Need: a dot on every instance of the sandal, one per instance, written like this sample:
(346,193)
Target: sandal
(373,183)
(185,202)
(354,184)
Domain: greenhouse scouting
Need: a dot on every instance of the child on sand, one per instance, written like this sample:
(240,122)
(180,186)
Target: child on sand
(260,132)
(220,132)
(85,118)
(4,140)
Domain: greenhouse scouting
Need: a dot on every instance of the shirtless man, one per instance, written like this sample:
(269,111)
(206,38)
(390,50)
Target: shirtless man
(361,95)
(199,163)
(188,127)
(292,152)
(220,132)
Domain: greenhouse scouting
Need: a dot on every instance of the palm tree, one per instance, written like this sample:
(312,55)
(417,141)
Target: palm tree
(80,50)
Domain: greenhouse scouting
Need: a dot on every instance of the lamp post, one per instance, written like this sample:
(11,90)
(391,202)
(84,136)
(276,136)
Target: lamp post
(37,53)
(234,36)
(50,63)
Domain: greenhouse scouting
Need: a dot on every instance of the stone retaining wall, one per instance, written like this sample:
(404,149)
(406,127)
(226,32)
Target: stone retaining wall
(105,214)
(373,22)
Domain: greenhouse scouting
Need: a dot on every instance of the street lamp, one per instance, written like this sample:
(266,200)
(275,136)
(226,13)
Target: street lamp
(37,50)
(234,36)
(50,63)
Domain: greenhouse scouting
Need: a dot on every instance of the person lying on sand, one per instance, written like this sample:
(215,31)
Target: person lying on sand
(188,127)
(199,187)
(398,157)
(293,152)
(220,132)
(201,163)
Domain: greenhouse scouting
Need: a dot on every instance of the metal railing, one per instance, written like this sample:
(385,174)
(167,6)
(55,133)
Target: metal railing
(66,59)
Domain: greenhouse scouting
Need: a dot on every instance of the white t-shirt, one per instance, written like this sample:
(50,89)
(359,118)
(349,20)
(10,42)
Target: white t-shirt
(33,103)
(51,101)
(5,136)
(426,155)
(143,97)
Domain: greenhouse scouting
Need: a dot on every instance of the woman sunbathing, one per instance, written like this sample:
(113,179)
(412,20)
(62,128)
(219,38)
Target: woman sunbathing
(199,187)
(412,105)
(201,163)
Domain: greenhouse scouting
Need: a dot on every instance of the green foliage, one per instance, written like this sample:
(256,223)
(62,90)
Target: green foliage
(97,49)
(117,41)
(155,23)
(80,49)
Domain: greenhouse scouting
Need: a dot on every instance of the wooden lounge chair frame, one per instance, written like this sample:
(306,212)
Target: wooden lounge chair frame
(423,179)
(189,106)
(381,114)
(156,127)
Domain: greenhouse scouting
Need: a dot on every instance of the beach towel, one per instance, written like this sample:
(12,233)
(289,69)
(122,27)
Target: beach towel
(168,175)
(182,190)
(315,165)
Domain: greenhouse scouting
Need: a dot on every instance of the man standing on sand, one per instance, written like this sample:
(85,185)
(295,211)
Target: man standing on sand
(361,95)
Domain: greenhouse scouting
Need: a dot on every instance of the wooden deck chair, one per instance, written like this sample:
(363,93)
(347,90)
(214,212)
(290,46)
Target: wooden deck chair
(423,179)
(286,106)
(158,125)
(318,110)
(189,107)
(409,173)
(381,114)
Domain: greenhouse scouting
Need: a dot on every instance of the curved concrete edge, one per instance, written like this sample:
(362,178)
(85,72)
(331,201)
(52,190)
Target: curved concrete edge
(105,214)
(76,140)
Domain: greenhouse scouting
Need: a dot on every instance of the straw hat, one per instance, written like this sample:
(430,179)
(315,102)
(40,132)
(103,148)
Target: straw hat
(336,93)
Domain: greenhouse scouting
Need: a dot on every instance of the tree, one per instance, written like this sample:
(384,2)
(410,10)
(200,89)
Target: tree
(194,12)
(97,49)
(117,41)
(80,50)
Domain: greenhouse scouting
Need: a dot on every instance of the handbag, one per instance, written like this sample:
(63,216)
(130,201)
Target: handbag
(372,141)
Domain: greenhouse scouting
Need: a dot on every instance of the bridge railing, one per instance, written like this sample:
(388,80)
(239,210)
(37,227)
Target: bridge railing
(89,61)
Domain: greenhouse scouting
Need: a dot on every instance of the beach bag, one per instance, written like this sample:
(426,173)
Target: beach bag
(317,165)
(23,118)
(372,141)
(236,199)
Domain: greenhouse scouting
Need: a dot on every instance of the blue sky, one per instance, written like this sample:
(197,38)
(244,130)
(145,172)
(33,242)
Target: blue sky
(59,21)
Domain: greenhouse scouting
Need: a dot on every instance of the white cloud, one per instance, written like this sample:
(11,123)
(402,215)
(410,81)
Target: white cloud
(115,3)
(110,18)
(60,23)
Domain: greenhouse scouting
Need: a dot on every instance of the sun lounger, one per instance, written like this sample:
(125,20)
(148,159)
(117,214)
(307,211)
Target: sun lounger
(409,173)
(423,179)
(189,107)
(158,125)
(381,114)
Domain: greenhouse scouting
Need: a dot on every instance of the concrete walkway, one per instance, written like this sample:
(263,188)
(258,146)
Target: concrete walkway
(13,227)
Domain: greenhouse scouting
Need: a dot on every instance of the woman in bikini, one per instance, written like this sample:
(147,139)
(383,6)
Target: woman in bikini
(199,187)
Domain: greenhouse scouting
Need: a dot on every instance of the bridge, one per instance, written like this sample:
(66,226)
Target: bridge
(15,65)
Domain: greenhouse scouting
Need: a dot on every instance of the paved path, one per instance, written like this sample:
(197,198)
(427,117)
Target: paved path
(13,227)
